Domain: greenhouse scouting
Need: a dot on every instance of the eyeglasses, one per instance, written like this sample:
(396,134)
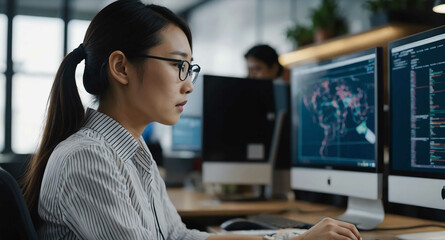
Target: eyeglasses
(185,67)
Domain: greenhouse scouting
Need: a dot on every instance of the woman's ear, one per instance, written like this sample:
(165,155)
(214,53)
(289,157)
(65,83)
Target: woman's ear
(118,67)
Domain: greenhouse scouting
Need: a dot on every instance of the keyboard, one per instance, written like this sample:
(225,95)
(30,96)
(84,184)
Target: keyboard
(277,222)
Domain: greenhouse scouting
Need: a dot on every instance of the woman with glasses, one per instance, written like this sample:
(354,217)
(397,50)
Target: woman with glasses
(93,176)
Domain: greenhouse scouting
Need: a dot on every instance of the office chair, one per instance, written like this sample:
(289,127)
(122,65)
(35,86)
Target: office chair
(15,219)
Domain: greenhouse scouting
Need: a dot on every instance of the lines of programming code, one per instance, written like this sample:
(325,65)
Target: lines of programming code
(437,116)
(427,80)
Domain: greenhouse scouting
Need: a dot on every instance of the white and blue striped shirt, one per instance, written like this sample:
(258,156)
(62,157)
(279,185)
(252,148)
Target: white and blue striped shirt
(101,183)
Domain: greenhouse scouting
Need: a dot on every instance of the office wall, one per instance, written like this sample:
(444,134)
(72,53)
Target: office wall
(224,30)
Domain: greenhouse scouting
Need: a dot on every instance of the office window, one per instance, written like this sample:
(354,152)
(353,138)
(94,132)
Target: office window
(37,53)
(2,111)
(30,95)
(276,19)
(233,36)
(3,32)
(37,44)
(76,33)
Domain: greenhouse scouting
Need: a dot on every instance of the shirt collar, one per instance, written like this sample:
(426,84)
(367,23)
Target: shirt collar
(119,138)
(143,156)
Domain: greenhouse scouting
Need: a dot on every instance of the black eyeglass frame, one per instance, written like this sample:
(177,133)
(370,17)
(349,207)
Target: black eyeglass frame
(180,64)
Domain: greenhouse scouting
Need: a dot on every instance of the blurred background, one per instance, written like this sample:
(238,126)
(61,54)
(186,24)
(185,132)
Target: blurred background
(36,34)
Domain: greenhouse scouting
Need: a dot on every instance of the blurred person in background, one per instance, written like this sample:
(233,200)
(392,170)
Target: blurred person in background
(262,63)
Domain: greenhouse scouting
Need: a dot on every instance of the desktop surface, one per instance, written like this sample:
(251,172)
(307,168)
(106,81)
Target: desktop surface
(192,204)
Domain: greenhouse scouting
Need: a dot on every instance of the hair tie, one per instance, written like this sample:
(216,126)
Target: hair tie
(79,53)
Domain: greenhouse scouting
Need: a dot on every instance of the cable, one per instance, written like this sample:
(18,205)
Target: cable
(157,221)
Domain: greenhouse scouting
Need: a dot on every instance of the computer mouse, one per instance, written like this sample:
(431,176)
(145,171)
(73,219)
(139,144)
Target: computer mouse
(242,224)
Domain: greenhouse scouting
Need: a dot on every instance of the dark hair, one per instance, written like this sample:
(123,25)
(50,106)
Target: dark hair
(266,54)
(126,25)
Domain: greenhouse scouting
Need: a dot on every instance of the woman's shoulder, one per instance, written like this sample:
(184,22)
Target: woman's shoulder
(85,144)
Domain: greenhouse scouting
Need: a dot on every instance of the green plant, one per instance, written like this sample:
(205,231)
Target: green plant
(300,35)
(376,6)
(327,17)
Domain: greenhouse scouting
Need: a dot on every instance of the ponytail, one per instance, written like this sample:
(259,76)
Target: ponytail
(65,116)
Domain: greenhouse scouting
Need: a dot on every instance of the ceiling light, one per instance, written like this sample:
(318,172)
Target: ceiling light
(439,6)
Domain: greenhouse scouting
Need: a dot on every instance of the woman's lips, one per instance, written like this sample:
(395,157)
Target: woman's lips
(180,106)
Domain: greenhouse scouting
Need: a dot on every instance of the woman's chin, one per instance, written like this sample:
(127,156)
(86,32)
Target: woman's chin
(171,121)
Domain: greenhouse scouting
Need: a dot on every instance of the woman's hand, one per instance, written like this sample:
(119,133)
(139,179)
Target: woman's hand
(331,229)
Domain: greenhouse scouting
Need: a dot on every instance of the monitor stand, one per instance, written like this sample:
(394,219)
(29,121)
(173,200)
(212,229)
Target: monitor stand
(366,214)
(420,236)
(280,179)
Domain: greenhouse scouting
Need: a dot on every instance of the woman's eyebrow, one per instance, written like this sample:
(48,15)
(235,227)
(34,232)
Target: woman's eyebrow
(180,53)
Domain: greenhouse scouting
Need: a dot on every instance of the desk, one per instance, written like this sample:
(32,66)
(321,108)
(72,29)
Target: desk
(189,203)
(194,204)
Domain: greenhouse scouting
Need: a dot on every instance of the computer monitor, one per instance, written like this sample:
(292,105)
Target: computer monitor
(186,134)
(336,107)
(242,125)
(417,114)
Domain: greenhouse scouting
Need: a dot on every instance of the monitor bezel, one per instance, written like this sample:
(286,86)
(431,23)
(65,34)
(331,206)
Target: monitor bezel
(378,81)
(400,42)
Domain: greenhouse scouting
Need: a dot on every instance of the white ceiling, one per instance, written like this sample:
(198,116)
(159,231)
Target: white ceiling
(174,5)
(93,6)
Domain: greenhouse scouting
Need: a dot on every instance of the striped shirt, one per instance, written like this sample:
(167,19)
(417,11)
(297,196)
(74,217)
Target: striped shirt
(101,183)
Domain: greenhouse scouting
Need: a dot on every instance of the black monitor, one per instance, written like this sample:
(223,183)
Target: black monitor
(417,121)
(336,107)
(242,126)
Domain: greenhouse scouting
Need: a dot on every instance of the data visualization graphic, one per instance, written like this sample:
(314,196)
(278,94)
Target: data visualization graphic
(337,115)
(339,107)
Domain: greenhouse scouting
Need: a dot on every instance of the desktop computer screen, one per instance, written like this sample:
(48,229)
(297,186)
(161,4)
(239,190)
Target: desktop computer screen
(336,106)
(417,120)
(186,134)
(241,121)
